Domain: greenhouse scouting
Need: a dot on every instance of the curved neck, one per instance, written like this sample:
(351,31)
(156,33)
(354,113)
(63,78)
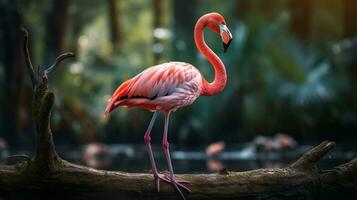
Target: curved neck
(220,77)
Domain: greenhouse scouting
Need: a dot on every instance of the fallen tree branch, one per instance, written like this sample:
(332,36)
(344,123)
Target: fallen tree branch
(285,183)
(47,174)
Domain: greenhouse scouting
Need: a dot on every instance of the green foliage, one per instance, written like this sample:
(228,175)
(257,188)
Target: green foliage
(276,82)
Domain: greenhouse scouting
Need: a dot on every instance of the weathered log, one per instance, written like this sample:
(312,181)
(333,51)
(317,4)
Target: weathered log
(47,174)
(301,180)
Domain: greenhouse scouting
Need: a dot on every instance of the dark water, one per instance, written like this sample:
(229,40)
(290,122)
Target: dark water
(134,158)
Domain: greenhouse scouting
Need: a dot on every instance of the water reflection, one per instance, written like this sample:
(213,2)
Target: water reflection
(213,152)
(3,148)
(97,155)
(133,158)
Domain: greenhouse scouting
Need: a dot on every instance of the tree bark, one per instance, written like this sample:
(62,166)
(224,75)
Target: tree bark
(300,18)
(185,48)
(158,12)
(47,174)
(56,27)
(114,23)
(350,18)
(14,91)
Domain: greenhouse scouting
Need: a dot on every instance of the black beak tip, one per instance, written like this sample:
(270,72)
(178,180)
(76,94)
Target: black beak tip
(225,46)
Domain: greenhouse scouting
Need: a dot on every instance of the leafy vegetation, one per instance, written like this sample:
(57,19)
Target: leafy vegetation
(279,80)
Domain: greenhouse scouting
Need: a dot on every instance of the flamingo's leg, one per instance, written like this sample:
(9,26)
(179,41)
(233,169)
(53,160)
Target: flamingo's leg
(147,140)
(165,144)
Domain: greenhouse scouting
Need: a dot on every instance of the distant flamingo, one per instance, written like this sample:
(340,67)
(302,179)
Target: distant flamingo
(173,85)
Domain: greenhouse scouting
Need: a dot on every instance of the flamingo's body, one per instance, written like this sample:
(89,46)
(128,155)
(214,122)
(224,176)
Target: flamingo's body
(173,85)
(167,86)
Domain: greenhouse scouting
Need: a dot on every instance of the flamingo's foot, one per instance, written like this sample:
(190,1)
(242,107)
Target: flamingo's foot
(177,184)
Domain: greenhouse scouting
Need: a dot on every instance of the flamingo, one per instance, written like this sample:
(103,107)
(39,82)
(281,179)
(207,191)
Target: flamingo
(169,86)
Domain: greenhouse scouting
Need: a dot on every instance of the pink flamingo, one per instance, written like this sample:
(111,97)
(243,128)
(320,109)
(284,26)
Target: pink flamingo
(173,85)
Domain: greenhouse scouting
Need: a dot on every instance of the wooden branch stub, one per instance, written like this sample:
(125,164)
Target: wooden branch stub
(46,159)
(14,158)
(40,90)
(312,157)
(58,60)
(43,100)
(28,57)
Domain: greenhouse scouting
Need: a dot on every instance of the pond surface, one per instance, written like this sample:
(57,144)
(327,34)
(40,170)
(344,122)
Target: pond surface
(134,158)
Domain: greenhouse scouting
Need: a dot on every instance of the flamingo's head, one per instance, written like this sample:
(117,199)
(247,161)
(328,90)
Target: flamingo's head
(217,23)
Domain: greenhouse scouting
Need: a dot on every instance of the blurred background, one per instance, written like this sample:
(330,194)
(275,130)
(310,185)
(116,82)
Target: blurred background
(292,80)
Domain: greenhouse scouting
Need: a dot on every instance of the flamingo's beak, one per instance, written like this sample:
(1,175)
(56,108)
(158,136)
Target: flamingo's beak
(226,36)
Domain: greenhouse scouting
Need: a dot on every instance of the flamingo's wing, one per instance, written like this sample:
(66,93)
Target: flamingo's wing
(153,83)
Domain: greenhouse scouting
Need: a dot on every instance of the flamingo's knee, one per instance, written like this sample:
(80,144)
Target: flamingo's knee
(147,138)
(165,145)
